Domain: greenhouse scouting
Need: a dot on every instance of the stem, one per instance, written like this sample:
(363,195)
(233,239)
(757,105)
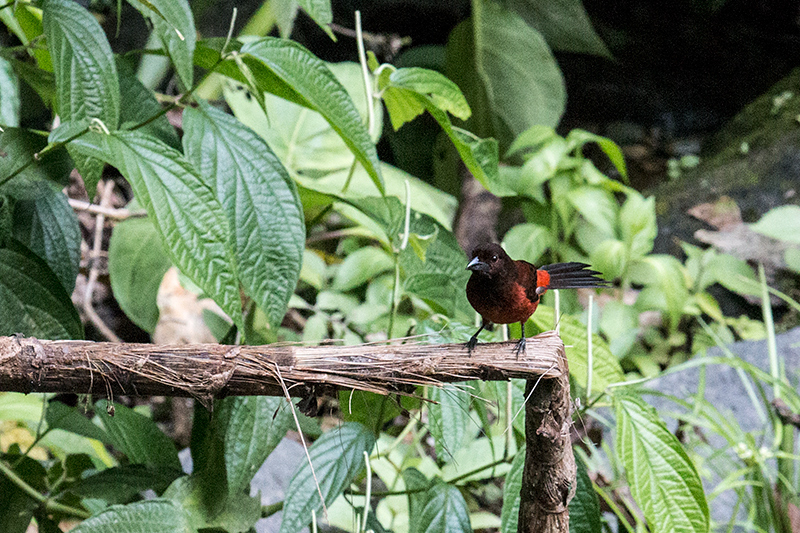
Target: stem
(39,155)
(362,59)
(49,504)
(271,509)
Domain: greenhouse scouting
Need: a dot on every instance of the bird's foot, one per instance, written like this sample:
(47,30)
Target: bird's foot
(521,347)
(471,343)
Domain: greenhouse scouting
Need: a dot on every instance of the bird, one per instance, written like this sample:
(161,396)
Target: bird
(504,291)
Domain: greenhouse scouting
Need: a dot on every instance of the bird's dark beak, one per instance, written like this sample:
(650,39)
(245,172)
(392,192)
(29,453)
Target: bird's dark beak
(477,265)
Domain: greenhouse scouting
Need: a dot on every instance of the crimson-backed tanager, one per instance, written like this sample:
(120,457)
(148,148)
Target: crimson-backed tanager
(505,291)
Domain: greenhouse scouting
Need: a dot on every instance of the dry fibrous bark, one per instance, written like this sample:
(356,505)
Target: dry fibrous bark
(548,477)
(206,371)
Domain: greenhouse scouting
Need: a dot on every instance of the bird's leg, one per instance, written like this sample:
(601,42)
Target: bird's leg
(473,341)
(521,343)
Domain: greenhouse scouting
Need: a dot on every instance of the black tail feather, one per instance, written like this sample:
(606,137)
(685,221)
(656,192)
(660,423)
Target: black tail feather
(574,276)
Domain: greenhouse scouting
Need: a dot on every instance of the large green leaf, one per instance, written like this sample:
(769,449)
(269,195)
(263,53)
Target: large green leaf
(663,480)
(32,299)
(520,75)
(21,146)
(337,456)
(507,72)
(153,516)
(442,93)
(665,285)
(138,437)
(584,509)
(9,95)
(254,425)
(209,509)
(137,263)
(445,512)
(782,223)
(48,227)
(62,416)
(259,199)
(122,484)
(509,516)
(132,90)
(605,366)
(87,86)
(448,419)
(320,11)
(173,22)
(564,24)
(288,70)
(187,214)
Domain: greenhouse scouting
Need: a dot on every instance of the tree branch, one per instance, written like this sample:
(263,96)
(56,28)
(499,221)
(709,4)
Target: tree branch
(207,371)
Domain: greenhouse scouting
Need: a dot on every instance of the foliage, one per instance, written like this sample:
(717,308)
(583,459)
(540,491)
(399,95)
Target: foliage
(284,204)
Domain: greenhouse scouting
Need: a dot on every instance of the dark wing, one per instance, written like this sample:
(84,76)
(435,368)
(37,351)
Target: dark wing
(573,276)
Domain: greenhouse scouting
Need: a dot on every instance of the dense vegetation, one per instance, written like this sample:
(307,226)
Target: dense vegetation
(254,167)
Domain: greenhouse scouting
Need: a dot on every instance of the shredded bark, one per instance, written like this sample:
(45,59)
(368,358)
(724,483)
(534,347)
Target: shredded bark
(208,371)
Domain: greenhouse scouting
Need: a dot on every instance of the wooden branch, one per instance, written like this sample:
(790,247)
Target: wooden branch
(208,371)
(549,473)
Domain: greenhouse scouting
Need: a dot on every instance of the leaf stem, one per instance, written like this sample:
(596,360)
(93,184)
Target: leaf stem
(49,504)
(39,155)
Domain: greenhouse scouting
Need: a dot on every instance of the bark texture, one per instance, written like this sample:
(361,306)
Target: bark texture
(207,371)
(548,477)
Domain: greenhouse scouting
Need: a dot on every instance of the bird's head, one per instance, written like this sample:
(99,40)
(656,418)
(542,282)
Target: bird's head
(489,260)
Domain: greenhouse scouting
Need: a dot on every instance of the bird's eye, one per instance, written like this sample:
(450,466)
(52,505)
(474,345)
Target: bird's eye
(494,258)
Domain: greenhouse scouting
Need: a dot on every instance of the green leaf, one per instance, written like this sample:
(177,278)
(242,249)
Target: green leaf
(577,138)
(47,225)
(132,90)
(445,512)
(663,480)
(417,486)
(41,81)
(187,215)
(17,507)
(527,241)
(522,81)
(153,516)
(320,11)
(637,220)
(584,509)
(122,484)
(235,513)
(438,89)
(138,437)
(87,86)
(61,416)
(781,223)
(254,425)
(564,24)
(33,301)
(337,456)
(9,95)
(605,366)
(480,156)
(448,419)
(663,276)
(137,263)
(598,207)
(302,137)
(610,257)
(19,146)
(361,266)
(259,199)
(173,22)
(288,70)
(509,516)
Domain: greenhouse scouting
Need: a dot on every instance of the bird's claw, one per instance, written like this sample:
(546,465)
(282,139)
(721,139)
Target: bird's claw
(471,343)
(521,347)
